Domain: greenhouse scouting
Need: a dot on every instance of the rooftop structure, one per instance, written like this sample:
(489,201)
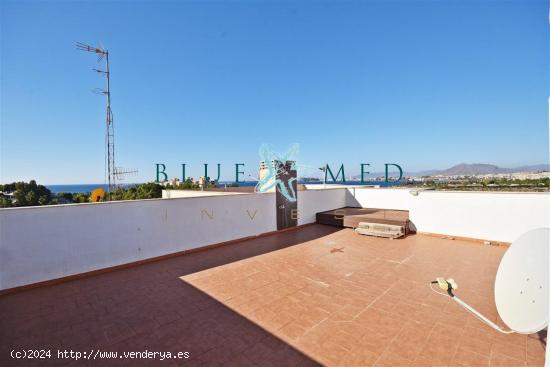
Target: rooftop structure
(314,296)
(211,276)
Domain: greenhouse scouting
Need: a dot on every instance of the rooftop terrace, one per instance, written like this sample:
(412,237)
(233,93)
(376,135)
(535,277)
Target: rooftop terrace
(316,295)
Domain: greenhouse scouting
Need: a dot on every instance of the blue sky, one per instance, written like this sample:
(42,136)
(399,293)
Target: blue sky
(426,84)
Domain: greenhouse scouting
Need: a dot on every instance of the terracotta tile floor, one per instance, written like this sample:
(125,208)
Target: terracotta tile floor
(315,296)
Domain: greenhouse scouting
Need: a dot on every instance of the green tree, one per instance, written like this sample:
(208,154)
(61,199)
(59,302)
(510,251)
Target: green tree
(5,202)
(150,190)
(81,197)
(27,194)
(65,195)
(188,184)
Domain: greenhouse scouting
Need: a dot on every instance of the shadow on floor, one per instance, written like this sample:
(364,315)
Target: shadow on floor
(147,308)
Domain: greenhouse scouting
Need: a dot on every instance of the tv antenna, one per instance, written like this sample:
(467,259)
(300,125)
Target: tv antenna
(521,286)
(110,169)
(121,173)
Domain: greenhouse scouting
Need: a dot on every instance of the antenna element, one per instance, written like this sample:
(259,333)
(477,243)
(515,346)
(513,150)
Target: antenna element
(110,169)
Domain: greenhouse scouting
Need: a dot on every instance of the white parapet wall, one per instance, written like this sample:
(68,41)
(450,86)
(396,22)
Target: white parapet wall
(314,201)
(493,216)
(43,243)
(382,198)
(498,216)
(174,194)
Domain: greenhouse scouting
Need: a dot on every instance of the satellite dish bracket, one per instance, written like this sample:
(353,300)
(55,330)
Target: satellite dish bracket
(521,286)
(449,285)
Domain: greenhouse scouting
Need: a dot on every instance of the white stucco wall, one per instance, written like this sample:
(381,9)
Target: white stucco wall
(311,202)
(491,216)
(174,194)
(497,216)
(379,198)
(42,243)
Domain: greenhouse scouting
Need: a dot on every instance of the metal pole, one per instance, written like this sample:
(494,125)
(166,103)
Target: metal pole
(110,169)
(483,318)
(110,132)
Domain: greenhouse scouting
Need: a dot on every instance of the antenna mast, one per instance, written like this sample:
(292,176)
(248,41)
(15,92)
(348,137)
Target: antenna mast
(110,169)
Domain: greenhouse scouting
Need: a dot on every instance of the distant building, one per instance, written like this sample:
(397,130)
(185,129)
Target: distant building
(201,182)
(175,182)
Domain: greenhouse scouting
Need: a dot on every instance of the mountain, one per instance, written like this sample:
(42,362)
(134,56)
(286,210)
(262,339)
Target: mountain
(534,168)
(466,169)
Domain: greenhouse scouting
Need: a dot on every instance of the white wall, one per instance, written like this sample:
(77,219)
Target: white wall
(483,215)
(497,216)
(173,194)
(379,198)
(311,202)
(41,243)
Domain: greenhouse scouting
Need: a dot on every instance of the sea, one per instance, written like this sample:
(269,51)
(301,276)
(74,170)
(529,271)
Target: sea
(85,188)
(79,188)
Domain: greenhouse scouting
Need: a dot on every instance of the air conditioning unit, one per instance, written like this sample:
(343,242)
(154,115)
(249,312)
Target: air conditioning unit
(380,230)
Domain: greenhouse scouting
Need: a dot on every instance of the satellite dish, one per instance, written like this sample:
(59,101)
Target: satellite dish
(521,285)
(98,195)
